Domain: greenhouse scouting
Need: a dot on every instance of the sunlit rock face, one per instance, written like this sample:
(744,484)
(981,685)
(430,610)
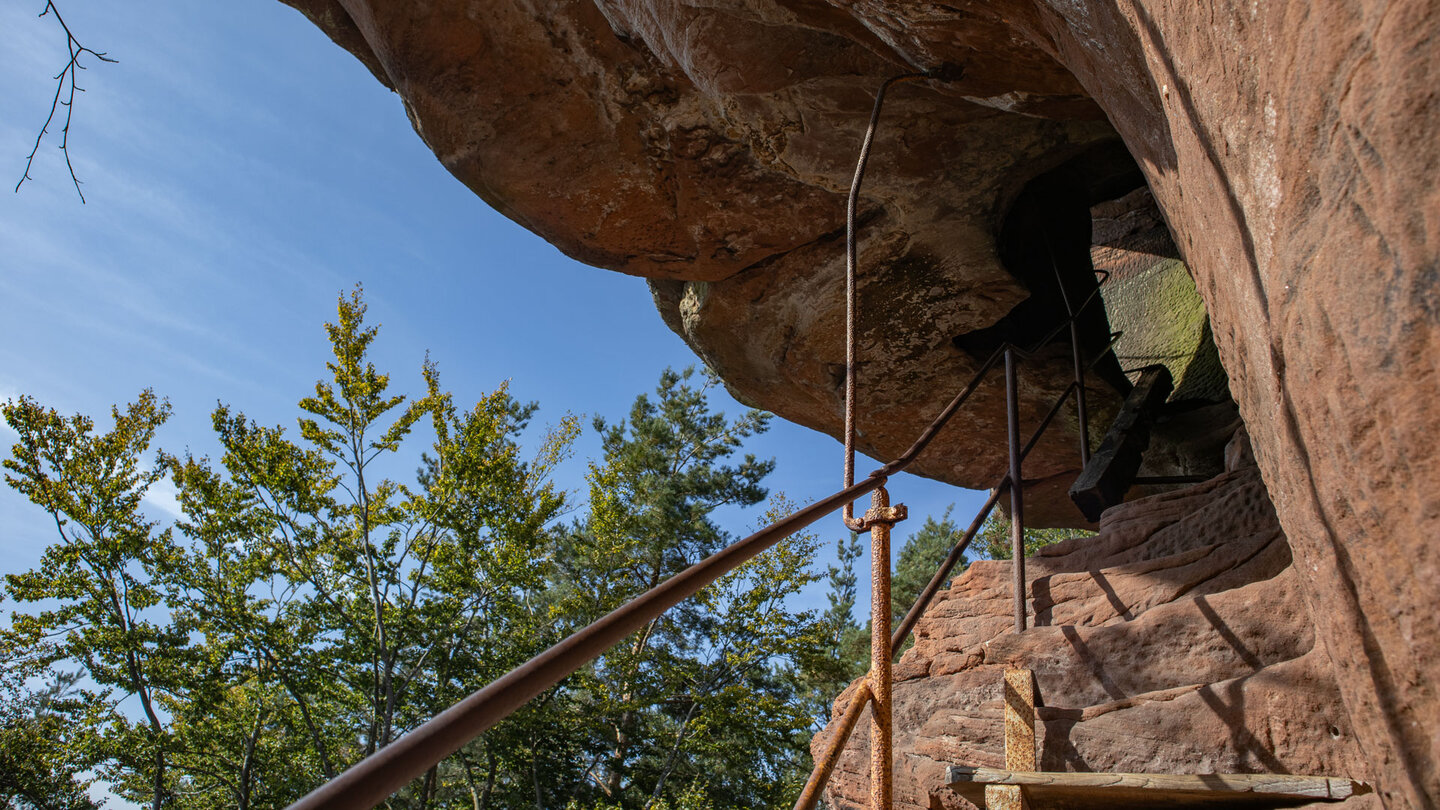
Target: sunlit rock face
(1175,641)
(709,147)
(1290,147)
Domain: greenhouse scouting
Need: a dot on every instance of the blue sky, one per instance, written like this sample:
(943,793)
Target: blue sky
(241,171)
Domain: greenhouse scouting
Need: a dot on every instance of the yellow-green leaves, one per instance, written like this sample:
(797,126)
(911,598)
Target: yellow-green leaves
(60,464)
(108,572)
(315,601)
(354,399)
(308,606)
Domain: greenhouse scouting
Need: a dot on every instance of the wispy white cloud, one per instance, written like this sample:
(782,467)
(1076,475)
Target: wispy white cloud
(163,497)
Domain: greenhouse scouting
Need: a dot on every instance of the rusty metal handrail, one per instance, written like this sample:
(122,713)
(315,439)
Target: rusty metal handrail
(927,594)
(879,522)
(852,202)
(820,775)
(1017,489)
(373,779)
(376,777)
(370,781)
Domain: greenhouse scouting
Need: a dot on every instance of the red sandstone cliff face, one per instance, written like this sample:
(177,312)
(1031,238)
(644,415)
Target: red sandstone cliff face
(708,147)
(1290,146)
(1293,150)
(1175,641)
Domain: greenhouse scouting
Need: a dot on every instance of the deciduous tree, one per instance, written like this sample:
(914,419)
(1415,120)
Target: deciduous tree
(309,606)
(103,581)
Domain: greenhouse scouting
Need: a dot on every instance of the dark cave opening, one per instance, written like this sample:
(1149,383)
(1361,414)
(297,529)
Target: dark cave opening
(1044,240)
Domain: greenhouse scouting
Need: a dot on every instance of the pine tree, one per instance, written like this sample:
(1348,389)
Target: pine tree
(704,701)
(308,608)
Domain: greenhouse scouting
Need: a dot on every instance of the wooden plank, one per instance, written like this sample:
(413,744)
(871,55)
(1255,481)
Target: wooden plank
(1005,797)
(1019,720)
(1091,791)
(1105,480)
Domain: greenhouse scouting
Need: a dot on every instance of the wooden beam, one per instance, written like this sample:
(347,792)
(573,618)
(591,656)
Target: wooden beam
(1019,720)
(1105,480)
(1094,791)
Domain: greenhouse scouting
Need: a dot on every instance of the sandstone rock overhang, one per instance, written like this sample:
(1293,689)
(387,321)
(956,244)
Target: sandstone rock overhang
(1290,146)
(708,148)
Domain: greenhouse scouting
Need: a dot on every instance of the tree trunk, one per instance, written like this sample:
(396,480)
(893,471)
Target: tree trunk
(247,765)
(159,800)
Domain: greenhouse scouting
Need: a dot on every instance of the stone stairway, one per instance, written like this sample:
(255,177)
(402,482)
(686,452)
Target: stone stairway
(1175,641)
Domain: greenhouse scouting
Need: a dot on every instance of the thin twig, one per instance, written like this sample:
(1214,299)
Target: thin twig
(64,81)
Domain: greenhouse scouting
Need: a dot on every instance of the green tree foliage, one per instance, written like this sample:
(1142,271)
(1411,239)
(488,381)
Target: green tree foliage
(103,581)
(663,707)
(356,602)
(919,559)
(307,609)
(44,744)
(309,606)
(846,654)
(993,540)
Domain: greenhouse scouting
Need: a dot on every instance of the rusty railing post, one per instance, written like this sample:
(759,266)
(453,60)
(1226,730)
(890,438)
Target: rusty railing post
(852,204)
(1017,489)
(825,763)
(881,517)
(1081,412)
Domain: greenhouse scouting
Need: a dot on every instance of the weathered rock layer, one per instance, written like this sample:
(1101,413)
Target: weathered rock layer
(708,147)
(1175,641)
(1290,147)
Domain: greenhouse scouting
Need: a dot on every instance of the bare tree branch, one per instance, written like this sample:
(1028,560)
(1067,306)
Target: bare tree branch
(64,86)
